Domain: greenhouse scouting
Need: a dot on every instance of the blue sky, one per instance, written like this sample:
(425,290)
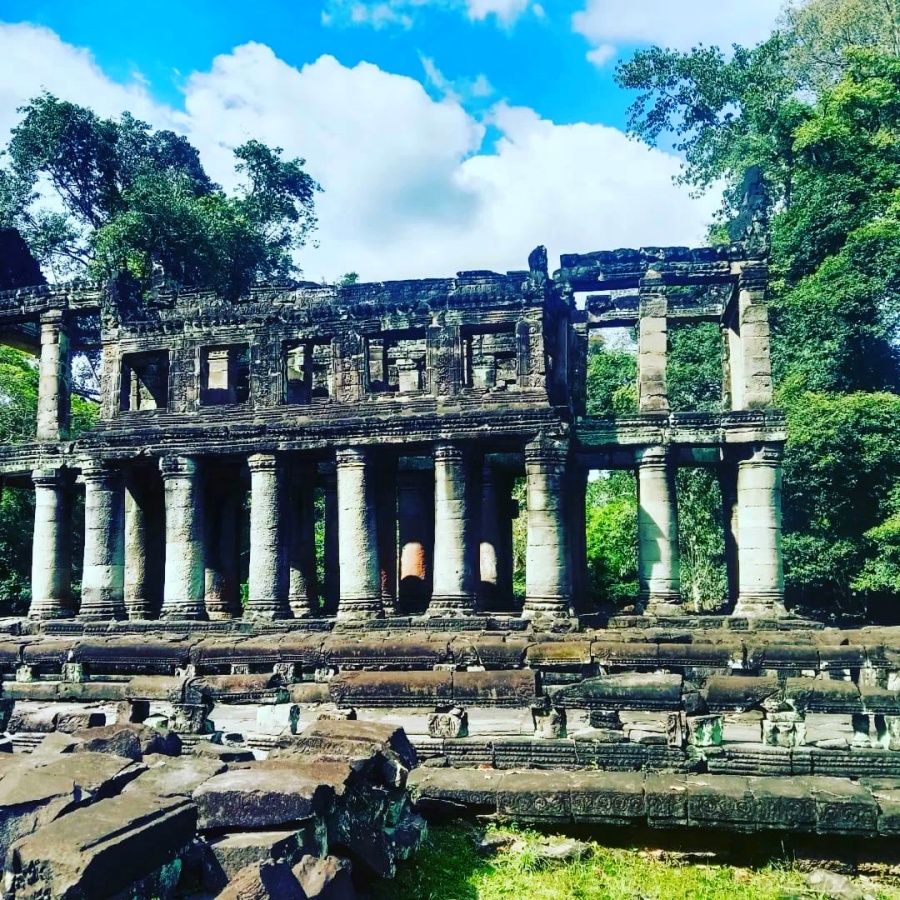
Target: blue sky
(448,134)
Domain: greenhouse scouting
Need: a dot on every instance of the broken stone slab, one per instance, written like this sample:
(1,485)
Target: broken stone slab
(348,738)
(264,796)
(181,776)
(342,714)
(563,851)
(843,806)
(264,881)
(223,753)
(29,802)
(224,857)
(454,791)
(191,718)
(267,688)
(101,850)
(325,878)
(46,717)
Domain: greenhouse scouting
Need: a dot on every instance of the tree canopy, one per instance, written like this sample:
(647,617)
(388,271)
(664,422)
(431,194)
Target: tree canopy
(104,196)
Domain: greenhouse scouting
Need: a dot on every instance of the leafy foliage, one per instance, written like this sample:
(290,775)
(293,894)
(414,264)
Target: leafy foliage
(138,200)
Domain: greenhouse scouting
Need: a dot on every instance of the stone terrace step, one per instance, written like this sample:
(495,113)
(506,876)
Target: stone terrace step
(816,805)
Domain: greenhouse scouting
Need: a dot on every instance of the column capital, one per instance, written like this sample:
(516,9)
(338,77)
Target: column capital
(647,457)
(350,457)
(547,450)
(447,452)
(51,478)
(53,317)
(102,474)
(178,466)
(764,455)
(264,462)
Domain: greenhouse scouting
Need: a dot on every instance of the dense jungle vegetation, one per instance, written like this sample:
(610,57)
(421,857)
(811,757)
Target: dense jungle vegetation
(816,108)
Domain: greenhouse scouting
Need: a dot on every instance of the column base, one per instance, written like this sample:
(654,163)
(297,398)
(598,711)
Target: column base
(546,608)
(662,603)
(268,610)
(100,615)
(139,609)
(451,606)
(50,609)
(760,606)
(359,609)
(184,614)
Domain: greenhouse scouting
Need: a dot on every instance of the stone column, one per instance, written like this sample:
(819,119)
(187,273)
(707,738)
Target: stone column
(496,564)
(386,521)
(222,517)
(51,564)
(269,571)
(659,574)
(455,535)
(303,589)
(332,564)
(548,577)
(576,523)
(751,366)
(357,537)
(183,590)
(103,574)
(728,487)
(141,601)
(760,570)
(54,379)
(415,503)
(653,341)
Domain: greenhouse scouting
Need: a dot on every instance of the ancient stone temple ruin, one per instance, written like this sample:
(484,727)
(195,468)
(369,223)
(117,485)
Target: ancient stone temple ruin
(297,635)
(411,407)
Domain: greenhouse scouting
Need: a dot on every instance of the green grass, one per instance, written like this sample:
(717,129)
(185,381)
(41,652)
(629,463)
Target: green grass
(449,868)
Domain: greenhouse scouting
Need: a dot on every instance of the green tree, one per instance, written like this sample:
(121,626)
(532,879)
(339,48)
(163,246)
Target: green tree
(611,380)
(611,537)
(137,200)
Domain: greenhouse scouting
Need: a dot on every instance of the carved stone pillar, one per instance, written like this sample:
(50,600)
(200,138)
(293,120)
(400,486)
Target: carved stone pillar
(183,591)
(455,534)
(760,567)
(728,487)
(576,518)
(386,523)
(548,578)
(51,564)
(103,574)
(358,539)
(751,365)
(222,517)
(303,591)
(653,340)
(54,378)
(142,545)
(332,563)
(269,572)
(415,501)
(659,567)
(496,590)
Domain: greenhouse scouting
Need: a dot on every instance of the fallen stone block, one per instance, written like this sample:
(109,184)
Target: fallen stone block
(705,731)
(262,796)
(169,777)
(327,878)
(264,881)
(223,753)
(843,806)
(348,738)
(37,789)
(508,689)
(739,694)
(101,851)
(224,857)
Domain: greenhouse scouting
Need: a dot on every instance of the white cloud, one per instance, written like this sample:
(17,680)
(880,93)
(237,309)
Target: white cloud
(409,188)
(679,24)
(402,13)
